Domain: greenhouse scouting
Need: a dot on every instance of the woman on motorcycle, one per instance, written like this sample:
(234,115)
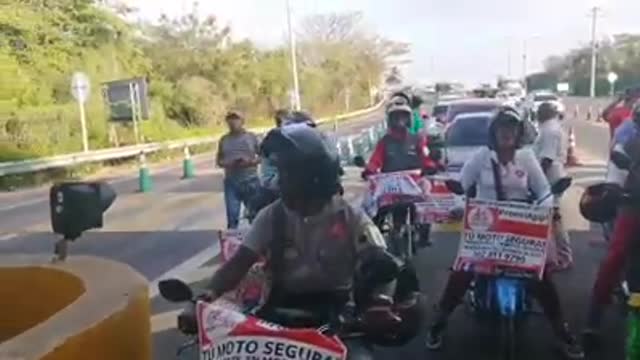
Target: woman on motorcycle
(520,175)
(316,244)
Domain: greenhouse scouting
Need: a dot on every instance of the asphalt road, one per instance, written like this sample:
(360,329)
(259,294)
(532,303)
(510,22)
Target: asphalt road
(171,232)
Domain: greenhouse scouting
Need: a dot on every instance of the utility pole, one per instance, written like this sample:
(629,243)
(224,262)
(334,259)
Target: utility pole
(524,60)
(294,60)
(594,50)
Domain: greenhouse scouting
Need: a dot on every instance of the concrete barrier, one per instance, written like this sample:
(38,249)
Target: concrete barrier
(85,308)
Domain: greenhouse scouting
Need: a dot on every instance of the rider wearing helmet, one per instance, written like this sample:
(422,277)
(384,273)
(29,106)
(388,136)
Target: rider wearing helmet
(400,150)
(316,243)
(599,203)
(551,148)
(520,175)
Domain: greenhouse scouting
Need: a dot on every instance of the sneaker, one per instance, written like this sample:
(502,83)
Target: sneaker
(571,348)
(434,337)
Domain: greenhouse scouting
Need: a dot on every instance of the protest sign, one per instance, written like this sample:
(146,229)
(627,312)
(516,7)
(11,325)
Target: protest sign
(438,202)
(226,334)
(504,236)
(253,290)
(391,188)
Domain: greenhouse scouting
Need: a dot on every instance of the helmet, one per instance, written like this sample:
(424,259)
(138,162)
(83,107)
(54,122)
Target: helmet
(506,116)
(599,202)
(546,111)
(401,94)
(396,109)
(299,117)
(308,165)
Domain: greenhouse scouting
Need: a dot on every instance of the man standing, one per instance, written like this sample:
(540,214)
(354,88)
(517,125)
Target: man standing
(238,155)
(551,149)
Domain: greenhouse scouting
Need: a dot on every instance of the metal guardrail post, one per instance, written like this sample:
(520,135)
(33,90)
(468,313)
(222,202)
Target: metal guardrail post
(145,182)
(188,169)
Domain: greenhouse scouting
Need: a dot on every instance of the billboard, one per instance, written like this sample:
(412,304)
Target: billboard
(118,97)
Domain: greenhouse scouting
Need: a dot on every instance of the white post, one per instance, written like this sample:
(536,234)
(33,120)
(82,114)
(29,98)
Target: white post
(134,110)
(294,60)
(594,51)
(83,124)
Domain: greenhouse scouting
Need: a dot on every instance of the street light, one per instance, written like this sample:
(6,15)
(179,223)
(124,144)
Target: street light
(294,60)
(612,77)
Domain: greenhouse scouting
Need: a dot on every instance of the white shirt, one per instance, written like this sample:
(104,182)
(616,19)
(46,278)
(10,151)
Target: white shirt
(518,177)
(553,144)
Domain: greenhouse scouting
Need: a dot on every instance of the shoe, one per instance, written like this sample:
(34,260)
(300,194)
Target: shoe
(434,336)
(570,347)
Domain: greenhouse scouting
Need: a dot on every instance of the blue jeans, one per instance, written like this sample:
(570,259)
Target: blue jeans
(238,191)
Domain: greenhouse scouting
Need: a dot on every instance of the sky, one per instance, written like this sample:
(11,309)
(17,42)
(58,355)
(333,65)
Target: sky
(469,41)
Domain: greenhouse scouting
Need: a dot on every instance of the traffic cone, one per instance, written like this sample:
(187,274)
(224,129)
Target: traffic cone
(599,115)
(589,113)
(145,182)
(572,160)
(188,170)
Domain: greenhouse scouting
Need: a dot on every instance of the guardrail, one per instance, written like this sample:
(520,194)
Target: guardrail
(61,161)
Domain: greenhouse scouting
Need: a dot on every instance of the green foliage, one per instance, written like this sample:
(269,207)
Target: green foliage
(195,72)
(621,55)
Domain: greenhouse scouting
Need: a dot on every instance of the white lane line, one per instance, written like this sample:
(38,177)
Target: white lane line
(185,267)
(22,204)
(164,321)
(7,237)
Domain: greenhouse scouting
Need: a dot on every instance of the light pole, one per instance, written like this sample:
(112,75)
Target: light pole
(594,50)
(294,60)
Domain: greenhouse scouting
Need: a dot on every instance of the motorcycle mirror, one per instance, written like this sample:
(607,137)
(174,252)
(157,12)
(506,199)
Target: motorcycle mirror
(175,290)
(561,185)
(359,161)
(621,160)
(454,186)
(79,206)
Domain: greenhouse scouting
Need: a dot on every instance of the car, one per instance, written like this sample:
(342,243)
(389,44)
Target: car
(458,107)
(439,111)
(464,136)
(468,133)
(534,100)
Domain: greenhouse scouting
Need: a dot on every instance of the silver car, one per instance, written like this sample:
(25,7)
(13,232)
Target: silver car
(468,133)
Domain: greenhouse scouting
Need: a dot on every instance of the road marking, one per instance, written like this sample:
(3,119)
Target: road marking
(164,321)
(7,237)
(22,204)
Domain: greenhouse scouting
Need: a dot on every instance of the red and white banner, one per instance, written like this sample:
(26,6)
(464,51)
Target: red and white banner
(253,290)
(226,334)
(438,202)
(392,188)
(504,236)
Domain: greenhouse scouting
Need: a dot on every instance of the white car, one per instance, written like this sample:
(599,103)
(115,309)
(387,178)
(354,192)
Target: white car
(534,100)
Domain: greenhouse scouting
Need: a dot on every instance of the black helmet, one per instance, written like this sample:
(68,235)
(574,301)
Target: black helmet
(546,111)
(299,117)
(401,94)
(599,202)
(308,164)
(506,116)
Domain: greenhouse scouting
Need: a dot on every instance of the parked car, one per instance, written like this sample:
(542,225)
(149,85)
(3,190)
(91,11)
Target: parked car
(533,101)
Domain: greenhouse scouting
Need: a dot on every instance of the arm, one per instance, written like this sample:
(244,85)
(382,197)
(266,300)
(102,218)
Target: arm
(377,158)
(607,111)
(255,243)
(423,152)
(219,154)
(537,182)
(470,173)
(548,147)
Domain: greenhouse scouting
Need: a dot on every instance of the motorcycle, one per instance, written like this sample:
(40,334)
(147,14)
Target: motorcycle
(328,337)
(502,298)
(401,240)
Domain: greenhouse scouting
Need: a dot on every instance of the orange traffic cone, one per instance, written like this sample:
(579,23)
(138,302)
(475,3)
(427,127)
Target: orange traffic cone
(572,160)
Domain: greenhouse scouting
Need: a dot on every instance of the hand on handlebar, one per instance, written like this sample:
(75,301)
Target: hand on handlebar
(366,173)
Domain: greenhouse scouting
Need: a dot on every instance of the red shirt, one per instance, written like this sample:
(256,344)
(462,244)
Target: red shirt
(377,158)
(617,116)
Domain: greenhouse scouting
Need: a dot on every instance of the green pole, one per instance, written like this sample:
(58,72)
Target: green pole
(145,181)
(188,169)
